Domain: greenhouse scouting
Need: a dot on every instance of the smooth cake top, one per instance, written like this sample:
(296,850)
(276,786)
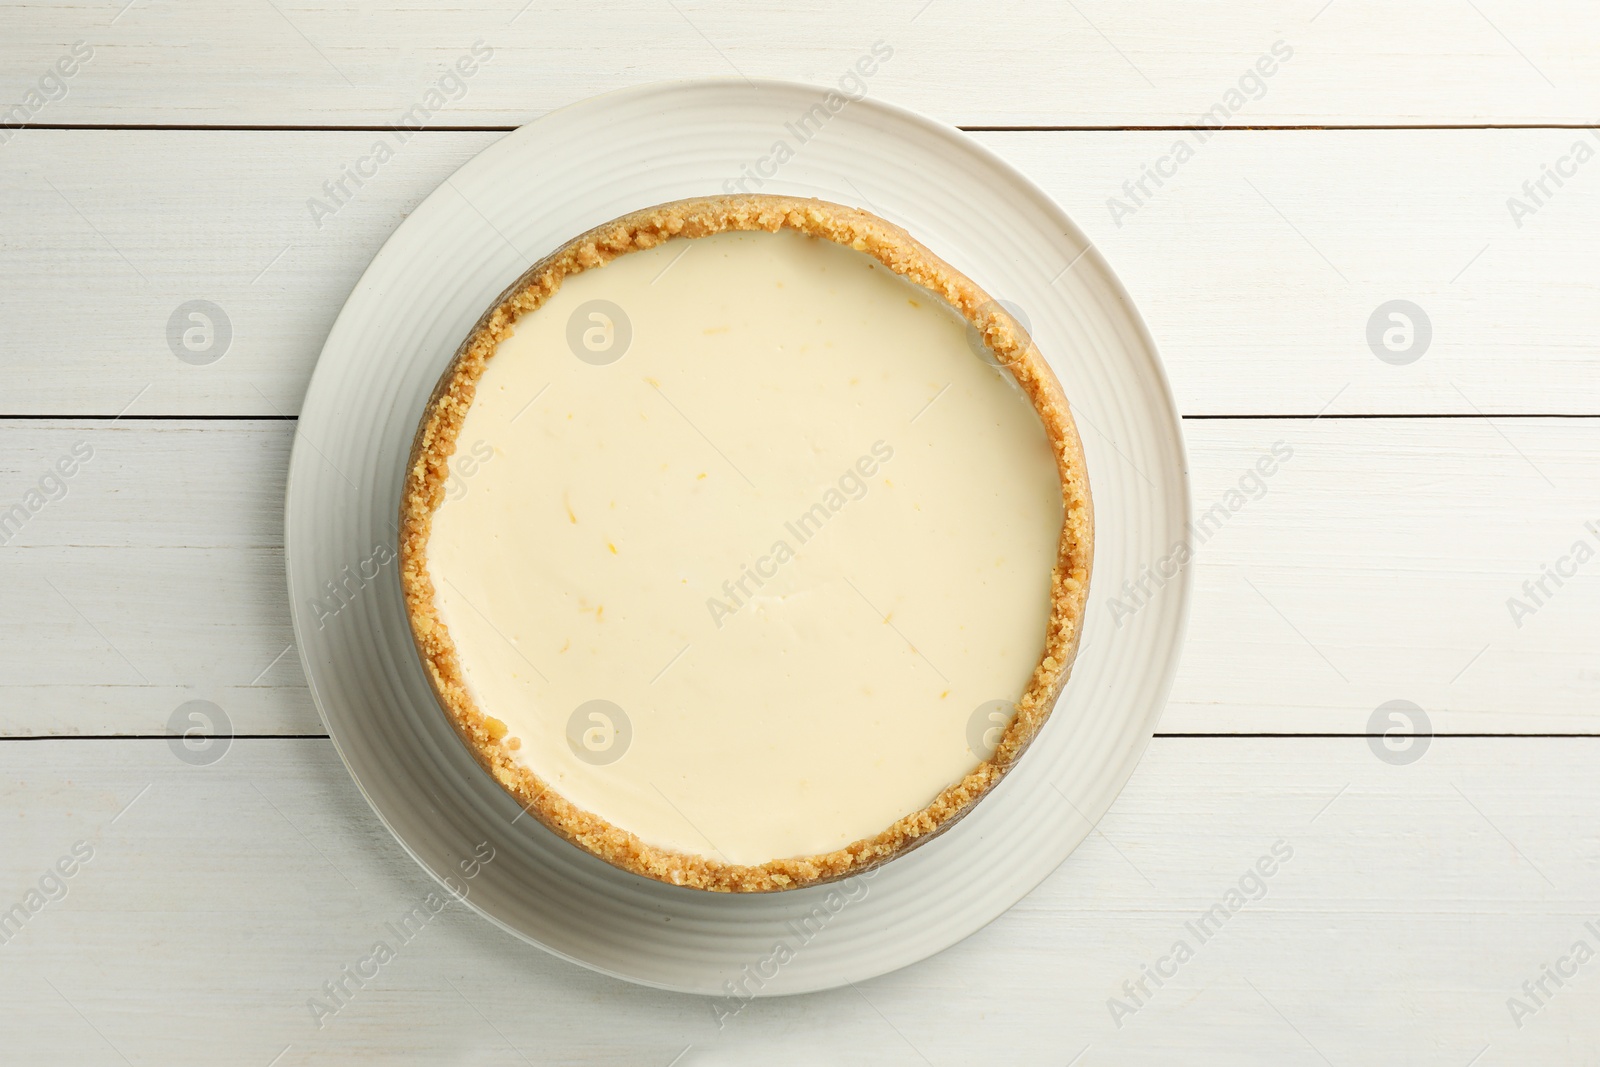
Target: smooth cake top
(744,552)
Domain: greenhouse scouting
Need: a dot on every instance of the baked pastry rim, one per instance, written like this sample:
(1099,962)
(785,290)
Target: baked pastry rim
(427,470)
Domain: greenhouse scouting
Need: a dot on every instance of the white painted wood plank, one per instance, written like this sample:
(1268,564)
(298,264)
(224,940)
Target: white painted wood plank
(1416,901)
(1258,264)
(1089,63)
(1375,564)
(149,221)
(151,576)
(1261,262)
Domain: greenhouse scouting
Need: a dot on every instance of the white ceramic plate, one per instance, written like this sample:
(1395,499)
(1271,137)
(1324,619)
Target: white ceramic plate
(516,202)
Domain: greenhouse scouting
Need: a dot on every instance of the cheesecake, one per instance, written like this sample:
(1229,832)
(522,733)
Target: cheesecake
(745,542)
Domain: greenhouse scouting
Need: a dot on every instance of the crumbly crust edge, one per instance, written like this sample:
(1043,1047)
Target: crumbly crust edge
(435,441)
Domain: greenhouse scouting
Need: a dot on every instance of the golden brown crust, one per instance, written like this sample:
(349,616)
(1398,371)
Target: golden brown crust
(435,442)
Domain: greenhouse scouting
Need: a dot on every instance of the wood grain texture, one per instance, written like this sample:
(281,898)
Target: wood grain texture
(157,578)
(1257,265)
(1417,899)
(1094,62)
(1375,564)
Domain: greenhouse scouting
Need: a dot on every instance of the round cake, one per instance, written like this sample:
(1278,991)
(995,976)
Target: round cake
(745,542)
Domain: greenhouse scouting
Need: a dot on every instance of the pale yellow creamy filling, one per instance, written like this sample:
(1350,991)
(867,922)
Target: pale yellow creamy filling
(742,589)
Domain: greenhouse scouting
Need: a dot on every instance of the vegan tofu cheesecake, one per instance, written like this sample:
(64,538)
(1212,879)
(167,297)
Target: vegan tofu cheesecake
(745,542)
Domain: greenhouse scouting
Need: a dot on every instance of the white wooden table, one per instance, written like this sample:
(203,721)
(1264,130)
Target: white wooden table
(1427,883)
